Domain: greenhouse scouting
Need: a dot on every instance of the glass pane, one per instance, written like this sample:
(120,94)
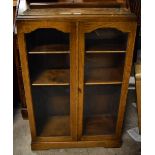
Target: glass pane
(52,110)
(105,51)
(100,109)
(47,41)
(49,69)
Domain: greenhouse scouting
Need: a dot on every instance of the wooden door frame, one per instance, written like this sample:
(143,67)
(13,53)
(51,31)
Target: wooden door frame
(85,27)
(28,26)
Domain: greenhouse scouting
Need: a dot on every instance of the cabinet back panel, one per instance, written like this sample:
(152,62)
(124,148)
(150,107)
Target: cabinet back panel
(100,109)
(42,63)
(104,67)
(46,37)
(51,106)
(106,39)
(105,99)
(104,60)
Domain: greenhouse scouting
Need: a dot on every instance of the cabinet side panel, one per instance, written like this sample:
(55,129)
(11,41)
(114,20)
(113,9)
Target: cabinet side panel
(126,76)
(26,80)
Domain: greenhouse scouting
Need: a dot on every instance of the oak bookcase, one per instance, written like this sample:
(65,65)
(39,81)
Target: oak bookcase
(76,65)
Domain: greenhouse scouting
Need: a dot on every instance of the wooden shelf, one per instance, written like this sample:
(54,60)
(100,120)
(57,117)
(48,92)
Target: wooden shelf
(104,46)
(99,125)
(50,49)
(98,76)
(56,126)
(52,77)
(102,51)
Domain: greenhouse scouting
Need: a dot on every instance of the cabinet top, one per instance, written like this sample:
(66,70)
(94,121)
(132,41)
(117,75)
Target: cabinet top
(75,3)
(42,11)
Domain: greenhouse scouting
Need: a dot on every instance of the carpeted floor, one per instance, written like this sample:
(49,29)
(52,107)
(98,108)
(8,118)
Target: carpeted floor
(22,139)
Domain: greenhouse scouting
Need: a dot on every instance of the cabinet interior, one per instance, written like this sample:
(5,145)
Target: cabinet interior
(47,40)
(100,109)
(52,110)
(104,68)
(48,56)
(105,51)
(48,53)
(104,58)
(105,39)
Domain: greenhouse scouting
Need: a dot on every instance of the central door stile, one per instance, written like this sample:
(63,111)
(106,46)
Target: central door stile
(74,79)
(81,80)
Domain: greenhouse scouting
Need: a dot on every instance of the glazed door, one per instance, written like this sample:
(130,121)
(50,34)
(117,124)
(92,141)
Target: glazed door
(103,48)
(49,60)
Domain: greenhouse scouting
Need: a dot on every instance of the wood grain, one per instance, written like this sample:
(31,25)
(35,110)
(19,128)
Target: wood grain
(75,144)
(73,80)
